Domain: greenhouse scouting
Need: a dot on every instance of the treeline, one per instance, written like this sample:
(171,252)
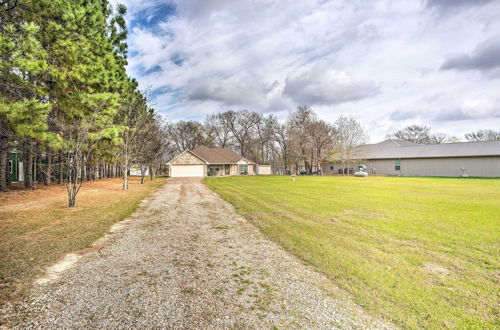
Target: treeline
(67,105)
(302,141)
(423,134)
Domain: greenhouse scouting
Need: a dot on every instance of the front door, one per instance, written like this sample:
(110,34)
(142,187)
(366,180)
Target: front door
(12,171)
(227,169)
(12,167)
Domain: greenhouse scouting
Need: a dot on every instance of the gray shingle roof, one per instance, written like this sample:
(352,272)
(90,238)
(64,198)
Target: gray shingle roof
(390,149)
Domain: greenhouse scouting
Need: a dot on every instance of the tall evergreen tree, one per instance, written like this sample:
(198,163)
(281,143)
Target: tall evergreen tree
(64,91)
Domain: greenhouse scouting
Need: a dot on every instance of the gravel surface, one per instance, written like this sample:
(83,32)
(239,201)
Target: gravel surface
(185,259)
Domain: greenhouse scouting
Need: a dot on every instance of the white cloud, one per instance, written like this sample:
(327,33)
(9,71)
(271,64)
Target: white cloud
(319,84)
(485,58)
(377,61)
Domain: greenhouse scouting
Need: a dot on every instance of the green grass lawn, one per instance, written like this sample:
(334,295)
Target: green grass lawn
(421,252)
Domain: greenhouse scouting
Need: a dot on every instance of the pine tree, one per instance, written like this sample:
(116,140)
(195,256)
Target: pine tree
(23,105)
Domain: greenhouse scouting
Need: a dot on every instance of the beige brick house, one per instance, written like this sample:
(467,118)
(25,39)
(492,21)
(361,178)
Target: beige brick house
(203,161)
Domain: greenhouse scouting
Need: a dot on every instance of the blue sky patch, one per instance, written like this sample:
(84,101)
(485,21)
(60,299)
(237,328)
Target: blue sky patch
(152,16)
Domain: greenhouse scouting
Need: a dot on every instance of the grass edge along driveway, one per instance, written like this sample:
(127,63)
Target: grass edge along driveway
(45,229)
(421,252)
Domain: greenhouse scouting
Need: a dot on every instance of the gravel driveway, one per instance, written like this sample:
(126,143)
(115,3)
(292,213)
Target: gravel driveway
(185,259)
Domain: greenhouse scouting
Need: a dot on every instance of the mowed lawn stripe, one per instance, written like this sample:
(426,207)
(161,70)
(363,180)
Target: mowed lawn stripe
(311,212)
(419,251)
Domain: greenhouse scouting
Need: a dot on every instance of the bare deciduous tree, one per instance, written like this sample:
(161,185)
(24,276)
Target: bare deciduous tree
(349,134)
(422,134)
(187,135)
(242,125)
(152,145)
(133,116)
(413,133)
(438,138)
(218,126)
(483,135)
(82,134)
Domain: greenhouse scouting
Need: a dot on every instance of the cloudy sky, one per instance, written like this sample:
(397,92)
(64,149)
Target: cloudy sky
(386,63)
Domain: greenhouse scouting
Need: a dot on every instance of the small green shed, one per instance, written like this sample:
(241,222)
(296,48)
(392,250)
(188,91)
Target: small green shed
(13,167)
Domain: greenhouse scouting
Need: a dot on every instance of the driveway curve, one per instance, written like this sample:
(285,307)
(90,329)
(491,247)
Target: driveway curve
(186,259)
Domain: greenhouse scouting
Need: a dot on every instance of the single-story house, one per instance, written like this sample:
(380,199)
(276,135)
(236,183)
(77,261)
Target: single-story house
(403,158)
(203,161)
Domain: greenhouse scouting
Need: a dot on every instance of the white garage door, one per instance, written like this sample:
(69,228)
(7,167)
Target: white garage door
(187,171)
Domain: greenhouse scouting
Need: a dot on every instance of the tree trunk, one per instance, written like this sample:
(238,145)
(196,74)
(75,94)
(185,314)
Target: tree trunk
(143,173)
(28,161)
(75,179)
(124,166)
(125,174)
(39,166)
(152,173)
(49,169)
(84,173)
(36,167)
(60,169)
(4,155)
(104,170)
(72,186)
(39,170)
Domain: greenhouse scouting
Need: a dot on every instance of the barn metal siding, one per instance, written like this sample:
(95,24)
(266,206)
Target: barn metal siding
(452,167)
(476,166)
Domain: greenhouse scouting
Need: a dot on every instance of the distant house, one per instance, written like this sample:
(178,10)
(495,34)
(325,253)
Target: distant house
(135,170)
(397,157)
(203,161)
(16,166)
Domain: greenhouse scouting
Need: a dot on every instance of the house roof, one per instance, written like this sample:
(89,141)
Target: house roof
(389,149)
(218,155)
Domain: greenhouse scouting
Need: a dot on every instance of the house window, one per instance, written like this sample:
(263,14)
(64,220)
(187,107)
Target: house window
(11,167)
(397,166)
(331,167)
(243,168)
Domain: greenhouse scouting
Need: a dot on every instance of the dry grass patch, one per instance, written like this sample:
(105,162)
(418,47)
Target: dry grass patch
(37,228)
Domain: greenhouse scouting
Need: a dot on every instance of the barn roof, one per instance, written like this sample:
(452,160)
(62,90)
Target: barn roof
(218,155)
(389,149)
